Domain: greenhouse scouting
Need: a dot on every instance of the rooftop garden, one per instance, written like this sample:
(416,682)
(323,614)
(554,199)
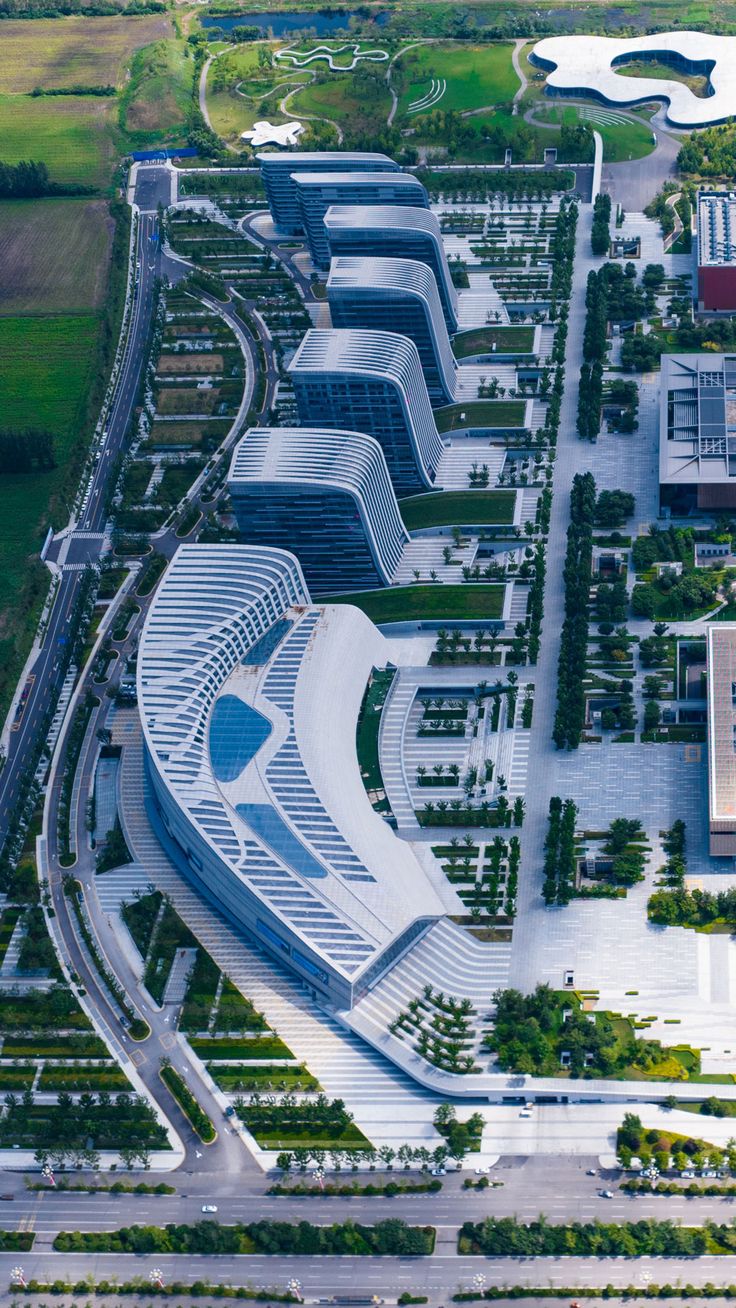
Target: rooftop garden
(416,603)
(493,340)
(458,508)
(490,414)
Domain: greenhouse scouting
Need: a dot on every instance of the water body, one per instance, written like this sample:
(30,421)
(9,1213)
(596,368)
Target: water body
(283,24)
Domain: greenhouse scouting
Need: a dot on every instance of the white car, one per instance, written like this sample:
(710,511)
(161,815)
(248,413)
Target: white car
(606,1194)
(438,1171)
(525,1113)
(209,1208)
(482,1171)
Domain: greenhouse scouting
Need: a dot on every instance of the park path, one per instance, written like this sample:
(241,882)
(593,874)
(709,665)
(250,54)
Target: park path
(523,80)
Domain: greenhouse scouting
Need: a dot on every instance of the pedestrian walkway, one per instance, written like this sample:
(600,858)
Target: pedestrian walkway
(425,554)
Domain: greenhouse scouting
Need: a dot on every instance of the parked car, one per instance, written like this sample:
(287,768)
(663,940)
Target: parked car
(689,1174)
(482,1171)
(438,1171)
(525,1113)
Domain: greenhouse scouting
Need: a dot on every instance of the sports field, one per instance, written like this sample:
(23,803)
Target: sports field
(69,133)
(52,52)
(476,75)
(53,255)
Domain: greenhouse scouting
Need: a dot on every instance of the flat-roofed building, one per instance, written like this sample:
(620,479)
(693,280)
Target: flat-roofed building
(721,681)
(324,495)
(371,382)
(697,432)
(277,168)
(316,192)
(393,232)
(398,295)
(249,697)
(715,251)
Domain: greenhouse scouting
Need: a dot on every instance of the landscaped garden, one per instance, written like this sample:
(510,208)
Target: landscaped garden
(490,415)
(417,603)
(493,340)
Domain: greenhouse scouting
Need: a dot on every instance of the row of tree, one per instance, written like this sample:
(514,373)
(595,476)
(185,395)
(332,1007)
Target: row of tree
(559,852)
(391,1236)
(28,449)
(506,1237)
(600,234)
(570,714)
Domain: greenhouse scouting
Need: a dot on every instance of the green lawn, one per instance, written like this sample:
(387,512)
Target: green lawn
(340,99)
(458,508)
(476,76)
(481,413)
(483,340)
(629,139)
(435,602)
(157,100)
(70,133)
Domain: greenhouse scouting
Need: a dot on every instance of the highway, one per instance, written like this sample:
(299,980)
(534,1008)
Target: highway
(153,186)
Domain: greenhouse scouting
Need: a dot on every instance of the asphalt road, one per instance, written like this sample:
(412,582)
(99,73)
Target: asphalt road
(154,185)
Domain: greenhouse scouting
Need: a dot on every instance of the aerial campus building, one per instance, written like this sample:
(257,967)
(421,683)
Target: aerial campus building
(324,495)
(721,687)
(316,192)
(397,295)
(367,381)
(392,232)
(697,432)
(276,175)
(715,252)
(587,65)
(249,696)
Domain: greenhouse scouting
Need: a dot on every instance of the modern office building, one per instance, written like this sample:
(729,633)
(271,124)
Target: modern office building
(324,495)
(398,295)
(276,174)
(715,252)
(721,686)
(370,382)
(316,192)
(249,697)
(391,232)
(697,432)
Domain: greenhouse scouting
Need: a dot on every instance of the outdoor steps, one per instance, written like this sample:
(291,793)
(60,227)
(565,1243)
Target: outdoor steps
(457,460)
(426,751)
(539,413)
(516,775)
(529,497)
(10,961)
(120,885)
(519,601)
(475,304)
(391,752)
(176,984)
(449,959)
(424,553)
(468,378)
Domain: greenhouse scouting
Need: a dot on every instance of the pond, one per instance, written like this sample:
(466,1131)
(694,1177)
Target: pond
(283,23)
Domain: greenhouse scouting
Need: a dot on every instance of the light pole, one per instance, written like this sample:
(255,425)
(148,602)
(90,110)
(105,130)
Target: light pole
(48,1174)
(294,1288)
(319,1176)
(479,1282)
(156,1277)
(17,1277)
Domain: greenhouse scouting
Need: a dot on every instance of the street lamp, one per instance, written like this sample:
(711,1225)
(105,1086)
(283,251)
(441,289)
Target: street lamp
(156,1277)
(294,1288)
(17,1277)
(48,1174)
(319,1176)
(479,1282)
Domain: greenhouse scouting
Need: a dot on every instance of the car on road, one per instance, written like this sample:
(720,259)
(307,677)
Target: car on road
(209,1208)
(591,1172)
(688,1174)
(438,1171)
(525,1112)
(709,1173)
(482,1171)
(606,1194)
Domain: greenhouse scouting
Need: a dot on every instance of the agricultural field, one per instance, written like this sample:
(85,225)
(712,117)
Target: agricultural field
(62,52)
(53,255)
(476,76)
(157,100)
(71,134)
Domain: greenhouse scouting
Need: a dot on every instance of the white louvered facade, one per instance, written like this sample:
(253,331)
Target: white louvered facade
(373,382)
(397,295)
(277,167)
(316,192)
(249,697)
(394,232)
(326,495)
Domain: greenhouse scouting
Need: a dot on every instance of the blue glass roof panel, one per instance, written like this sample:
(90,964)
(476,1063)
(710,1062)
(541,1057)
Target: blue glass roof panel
(237,732)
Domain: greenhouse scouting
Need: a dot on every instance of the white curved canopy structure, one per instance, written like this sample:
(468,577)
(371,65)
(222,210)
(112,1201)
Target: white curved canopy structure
(265,133)
(586,65)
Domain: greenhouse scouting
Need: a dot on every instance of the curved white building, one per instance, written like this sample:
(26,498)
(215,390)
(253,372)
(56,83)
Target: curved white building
(397,295)
(315,192)
(249,697)
(392,232)
(587,65)
(372,382)
(276,175)
(324,495)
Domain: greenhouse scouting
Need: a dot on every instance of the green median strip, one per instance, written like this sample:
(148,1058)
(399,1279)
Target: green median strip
(391,1237)
(188,1104)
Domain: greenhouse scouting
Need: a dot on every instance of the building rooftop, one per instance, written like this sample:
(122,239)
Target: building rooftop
(697,440)
(313,157)
(588,64)
(716,219)
(722,721)
(254,737)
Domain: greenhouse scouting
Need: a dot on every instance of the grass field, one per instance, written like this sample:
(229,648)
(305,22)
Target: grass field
(341,98)
(53,255)
(484,340)
(476,76)
(488,414)
(70,133)
(458,508)
(629,139)
(155,103)
(60,52)
(431,603)
(697,83)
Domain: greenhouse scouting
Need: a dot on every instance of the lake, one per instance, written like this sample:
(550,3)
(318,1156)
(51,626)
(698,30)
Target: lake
(283,23)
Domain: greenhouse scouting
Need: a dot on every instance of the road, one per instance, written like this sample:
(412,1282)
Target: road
(153,187)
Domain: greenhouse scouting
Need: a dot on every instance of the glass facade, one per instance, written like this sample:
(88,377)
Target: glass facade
(237,732)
